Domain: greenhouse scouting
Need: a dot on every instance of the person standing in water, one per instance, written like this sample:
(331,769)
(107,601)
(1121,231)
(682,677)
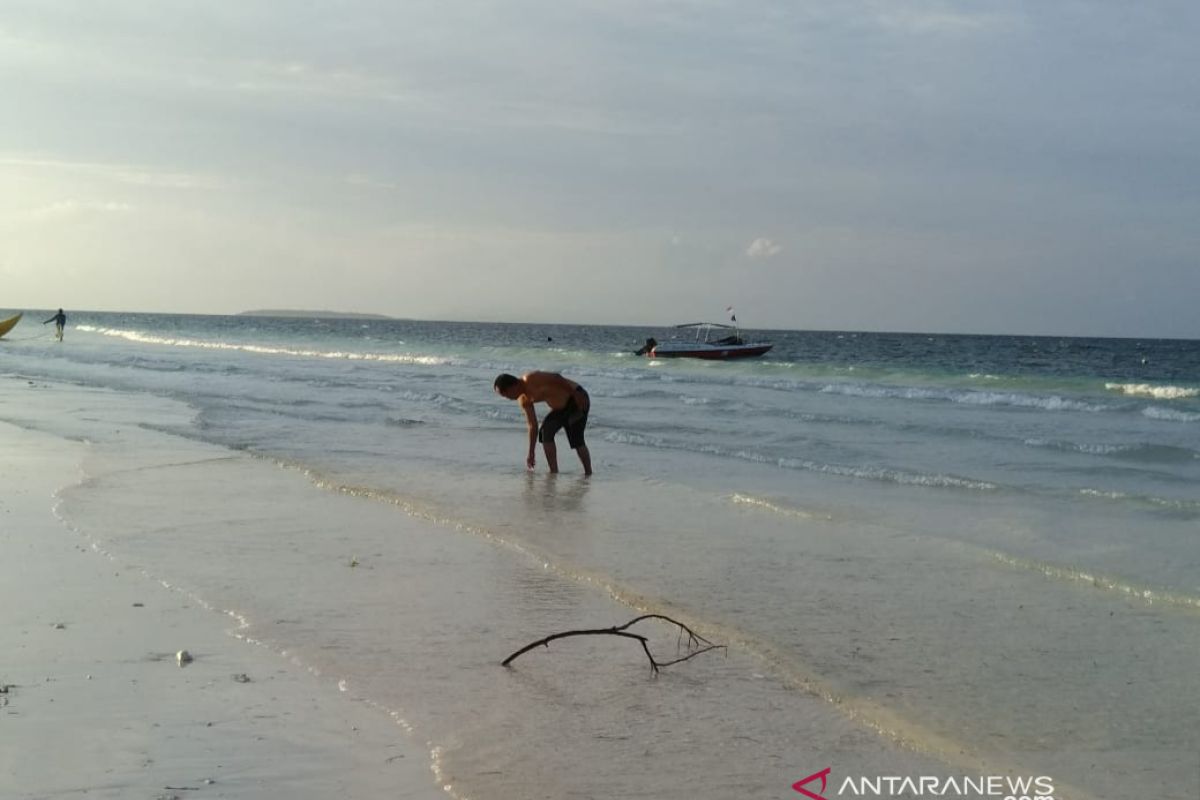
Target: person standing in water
(60,322)
(569,407)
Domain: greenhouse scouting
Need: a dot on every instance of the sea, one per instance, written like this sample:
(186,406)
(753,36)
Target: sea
(924,555)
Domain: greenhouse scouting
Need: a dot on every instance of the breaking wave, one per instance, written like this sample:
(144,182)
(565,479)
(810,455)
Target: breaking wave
(260,349)
(972,397)
(777,508)
(1150,390)
(1099,581)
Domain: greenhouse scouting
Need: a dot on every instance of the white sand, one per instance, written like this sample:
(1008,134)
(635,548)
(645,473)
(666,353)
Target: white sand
(97,706)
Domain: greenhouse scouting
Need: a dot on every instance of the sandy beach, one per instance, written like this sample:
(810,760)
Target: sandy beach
(96,704)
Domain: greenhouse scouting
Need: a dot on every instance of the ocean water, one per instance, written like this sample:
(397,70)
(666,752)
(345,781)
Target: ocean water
(927,554)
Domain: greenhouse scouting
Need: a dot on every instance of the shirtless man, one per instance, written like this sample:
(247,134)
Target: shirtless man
(569,406)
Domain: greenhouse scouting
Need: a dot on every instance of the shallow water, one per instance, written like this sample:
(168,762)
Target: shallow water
(983,548)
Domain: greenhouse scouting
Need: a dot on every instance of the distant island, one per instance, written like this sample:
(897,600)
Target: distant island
(299,312)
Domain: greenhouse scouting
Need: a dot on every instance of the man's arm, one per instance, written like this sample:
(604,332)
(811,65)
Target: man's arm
(531,421)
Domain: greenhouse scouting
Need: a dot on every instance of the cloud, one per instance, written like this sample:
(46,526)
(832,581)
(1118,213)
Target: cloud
(762,248)
(935,22)
(359,179)
(65,208)
(122,173)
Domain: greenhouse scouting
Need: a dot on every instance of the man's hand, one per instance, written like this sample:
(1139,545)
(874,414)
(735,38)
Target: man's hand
(530,461)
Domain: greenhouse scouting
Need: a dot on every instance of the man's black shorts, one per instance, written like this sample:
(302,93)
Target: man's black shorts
(570,417)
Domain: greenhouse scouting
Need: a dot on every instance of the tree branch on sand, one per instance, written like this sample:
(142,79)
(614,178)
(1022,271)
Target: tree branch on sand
(696,644)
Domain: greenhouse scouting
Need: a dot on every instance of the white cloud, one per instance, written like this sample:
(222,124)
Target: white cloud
(65,208)
(945,22)
(359,179)
(121,173)
(762,248)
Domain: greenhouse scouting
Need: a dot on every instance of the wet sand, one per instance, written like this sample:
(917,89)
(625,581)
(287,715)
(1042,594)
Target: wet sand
(96,704)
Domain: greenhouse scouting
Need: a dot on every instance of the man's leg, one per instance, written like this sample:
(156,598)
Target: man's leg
(585,458)
(551,453)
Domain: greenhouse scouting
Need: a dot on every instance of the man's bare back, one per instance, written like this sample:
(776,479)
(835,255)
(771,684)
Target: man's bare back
(550,388)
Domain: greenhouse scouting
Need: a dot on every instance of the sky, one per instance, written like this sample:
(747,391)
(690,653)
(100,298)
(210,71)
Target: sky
(899,165)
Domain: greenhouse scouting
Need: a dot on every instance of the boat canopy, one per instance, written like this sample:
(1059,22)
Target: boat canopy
(706,325)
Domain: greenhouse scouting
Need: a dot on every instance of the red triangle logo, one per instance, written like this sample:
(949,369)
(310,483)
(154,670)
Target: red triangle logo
(799,785)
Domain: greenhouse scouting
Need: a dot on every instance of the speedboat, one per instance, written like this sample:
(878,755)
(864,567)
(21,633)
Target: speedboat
(704,345)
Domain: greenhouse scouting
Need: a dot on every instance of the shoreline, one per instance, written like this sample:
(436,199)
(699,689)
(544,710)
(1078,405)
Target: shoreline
(96,704)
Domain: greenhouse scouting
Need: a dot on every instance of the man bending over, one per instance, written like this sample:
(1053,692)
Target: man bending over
(569,406)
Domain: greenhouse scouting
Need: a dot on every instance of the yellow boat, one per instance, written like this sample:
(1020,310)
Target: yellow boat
(8,324)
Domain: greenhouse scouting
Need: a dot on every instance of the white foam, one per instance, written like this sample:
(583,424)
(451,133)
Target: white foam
(766,505)
(1083,447)
(1150,390)
(966,397)
(1162,502)
(143,338)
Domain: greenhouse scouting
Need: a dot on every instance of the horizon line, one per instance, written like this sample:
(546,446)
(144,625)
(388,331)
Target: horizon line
(378,317)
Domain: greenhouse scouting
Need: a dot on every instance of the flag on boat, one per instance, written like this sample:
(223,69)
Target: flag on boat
(732,316)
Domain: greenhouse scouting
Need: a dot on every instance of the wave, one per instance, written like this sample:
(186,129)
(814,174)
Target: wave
(260,349)
(881,474)
(972,397)
(1141,451)
(1169,414)
(1079,575)
(776,508)
(1150,390)
(1192,507)
(1100,581)
(402,422)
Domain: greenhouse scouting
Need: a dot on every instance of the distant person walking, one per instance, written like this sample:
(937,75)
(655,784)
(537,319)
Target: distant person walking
(60,322)
(569,406)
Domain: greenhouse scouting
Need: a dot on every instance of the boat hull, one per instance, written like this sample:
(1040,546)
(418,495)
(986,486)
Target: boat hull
(711,352)
(8,324)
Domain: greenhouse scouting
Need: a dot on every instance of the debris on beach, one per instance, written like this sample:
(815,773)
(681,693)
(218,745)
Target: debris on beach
(696,644)
(183,657)
(354,562)
(241,677)
(60,626)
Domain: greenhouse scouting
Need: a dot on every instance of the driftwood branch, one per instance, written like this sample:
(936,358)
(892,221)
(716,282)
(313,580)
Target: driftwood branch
(696,644)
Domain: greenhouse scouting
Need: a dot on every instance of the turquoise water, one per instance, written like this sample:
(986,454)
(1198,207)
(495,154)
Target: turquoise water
(980,547)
